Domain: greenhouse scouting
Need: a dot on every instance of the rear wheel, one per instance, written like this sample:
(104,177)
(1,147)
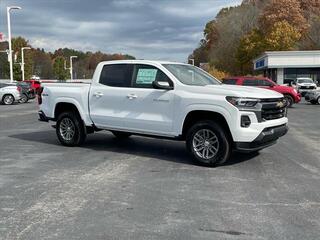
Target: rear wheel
(70,129)
(208,143)
(8,99)
(289,100)
(121,135)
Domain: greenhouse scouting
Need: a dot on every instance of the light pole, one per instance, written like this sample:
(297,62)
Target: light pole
(9,40)
(71,68)
(22,60)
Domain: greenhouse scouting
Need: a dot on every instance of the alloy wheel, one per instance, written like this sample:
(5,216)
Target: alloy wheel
(205,144)
(8,100)
(67,129)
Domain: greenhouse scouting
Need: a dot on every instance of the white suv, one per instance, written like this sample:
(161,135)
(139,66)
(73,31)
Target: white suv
(9,94)
(169,100)
(305,85)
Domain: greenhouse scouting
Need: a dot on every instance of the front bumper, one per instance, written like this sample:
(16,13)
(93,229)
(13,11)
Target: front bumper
(297,98)
(267,137)
(304,91)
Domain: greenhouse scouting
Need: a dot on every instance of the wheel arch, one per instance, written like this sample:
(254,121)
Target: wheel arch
(61,107)
(197,115)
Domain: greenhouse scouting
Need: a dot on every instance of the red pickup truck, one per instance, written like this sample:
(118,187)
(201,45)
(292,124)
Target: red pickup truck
(290,93)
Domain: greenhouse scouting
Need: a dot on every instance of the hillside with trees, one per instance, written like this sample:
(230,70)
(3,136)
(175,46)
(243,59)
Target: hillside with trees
(237,35)
(50,65)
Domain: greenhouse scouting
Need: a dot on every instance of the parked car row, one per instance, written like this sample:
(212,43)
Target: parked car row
(20,92)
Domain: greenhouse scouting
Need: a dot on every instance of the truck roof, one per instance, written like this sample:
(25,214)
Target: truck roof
(142,62)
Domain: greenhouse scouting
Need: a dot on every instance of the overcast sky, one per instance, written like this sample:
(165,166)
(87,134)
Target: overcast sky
(147,29)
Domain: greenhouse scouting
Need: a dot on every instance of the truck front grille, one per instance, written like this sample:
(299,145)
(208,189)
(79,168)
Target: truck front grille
(307,87)
(273,109)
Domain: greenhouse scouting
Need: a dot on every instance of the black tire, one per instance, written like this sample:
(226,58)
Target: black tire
(289,100)
(121,135)
(76,123)
(24,99)
(223,148)
(314,102)
(8,99)
(318,100)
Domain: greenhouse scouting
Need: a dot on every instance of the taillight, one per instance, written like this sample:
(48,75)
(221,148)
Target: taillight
(40,90)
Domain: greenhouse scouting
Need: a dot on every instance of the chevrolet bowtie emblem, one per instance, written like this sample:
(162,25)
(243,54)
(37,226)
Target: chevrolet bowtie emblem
(280,104)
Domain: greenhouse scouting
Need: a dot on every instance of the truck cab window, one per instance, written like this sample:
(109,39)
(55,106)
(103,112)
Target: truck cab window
(116,75)
(144,75)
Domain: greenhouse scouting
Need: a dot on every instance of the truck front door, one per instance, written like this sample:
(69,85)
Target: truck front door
(151,110)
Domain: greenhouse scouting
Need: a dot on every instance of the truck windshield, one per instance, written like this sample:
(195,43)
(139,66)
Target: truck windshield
(305,80)
(191,75)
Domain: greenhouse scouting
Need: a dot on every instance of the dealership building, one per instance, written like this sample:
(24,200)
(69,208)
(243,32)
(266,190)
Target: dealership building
(289,65)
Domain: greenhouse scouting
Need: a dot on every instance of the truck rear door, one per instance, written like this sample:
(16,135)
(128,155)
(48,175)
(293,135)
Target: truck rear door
(108,97)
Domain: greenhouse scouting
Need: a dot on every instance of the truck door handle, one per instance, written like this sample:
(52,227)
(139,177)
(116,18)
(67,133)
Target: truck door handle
(98,94)
(132,96)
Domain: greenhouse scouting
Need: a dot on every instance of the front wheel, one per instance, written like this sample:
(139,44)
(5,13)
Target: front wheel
(318,100)
(289,100)
(208,143)
(70,129)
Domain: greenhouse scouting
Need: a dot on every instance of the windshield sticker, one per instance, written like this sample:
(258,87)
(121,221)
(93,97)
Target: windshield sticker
(146,76)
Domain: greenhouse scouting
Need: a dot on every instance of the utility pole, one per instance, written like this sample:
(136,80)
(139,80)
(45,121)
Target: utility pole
(9,40)
(22,60)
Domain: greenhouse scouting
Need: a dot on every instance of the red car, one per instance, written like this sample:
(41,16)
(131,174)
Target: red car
(289,93)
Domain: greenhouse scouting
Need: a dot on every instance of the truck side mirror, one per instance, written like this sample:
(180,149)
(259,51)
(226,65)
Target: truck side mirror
(162,85)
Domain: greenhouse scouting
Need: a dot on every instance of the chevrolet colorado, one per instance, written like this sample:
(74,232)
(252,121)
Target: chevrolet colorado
(167,100)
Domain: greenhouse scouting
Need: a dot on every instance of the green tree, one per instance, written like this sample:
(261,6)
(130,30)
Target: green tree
(58,68)
(42,64)
(17,44)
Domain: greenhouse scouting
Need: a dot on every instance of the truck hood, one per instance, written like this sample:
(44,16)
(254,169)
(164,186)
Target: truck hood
(236,91)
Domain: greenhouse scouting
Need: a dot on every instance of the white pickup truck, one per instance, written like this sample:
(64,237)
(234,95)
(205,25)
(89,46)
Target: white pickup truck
(168,100)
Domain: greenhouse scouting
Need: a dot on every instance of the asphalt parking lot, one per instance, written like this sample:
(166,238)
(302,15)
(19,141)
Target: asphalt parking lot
(144,188)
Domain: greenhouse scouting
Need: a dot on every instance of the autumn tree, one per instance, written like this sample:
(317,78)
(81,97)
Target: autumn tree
(310,7)
(283,10)
(282,37)
(232,27)
(251,46)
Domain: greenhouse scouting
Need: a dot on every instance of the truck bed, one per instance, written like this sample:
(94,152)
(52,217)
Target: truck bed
(74,93)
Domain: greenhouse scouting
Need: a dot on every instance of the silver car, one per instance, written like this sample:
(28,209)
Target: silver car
(9,94)
(313,97)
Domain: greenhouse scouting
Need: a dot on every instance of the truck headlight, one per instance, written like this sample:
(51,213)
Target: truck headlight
(240,102)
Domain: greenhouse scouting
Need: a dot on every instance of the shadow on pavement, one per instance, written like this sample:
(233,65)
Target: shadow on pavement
(167,150)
